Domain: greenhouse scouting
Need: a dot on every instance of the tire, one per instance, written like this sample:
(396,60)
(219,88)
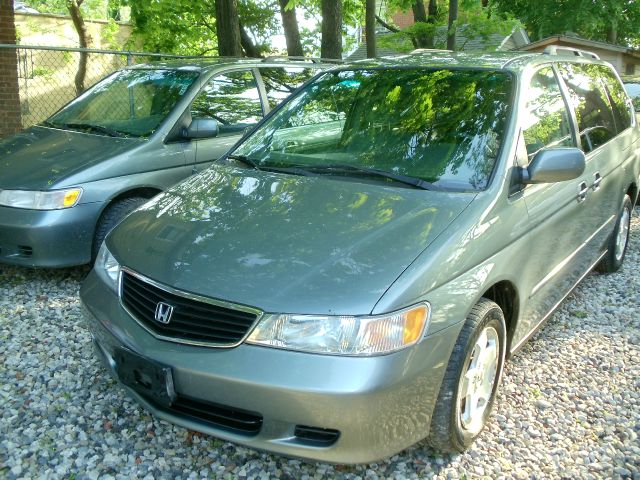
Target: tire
(618,241)
(110,217)
(455,423)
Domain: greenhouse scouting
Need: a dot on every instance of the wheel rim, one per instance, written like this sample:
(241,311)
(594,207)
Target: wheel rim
(476,386)
(623,234)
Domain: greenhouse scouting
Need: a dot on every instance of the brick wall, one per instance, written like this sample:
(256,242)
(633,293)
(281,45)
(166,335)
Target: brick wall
(403,19)
(9,97)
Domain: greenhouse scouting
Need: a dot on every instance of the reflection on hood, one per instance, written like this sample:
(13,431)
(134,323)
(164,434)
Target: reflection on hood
(283,243)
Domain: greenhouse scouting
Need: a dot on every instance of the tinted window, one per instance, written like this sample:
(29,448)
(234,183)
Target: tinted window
(546,120)
(621,110)
(232,99)
(281,82)
(130,102)
(589,99)
(443,126)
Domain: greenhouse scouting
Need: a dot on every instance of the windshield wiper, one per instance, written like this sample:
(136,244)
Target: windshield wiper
(244,159)
(93,128)
(252,163)
(345,168)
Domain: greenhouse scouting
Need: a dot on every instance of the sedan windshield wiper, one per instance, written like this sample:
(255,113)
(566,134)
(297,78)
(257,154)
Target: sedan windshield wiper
(345,168)
(93,128)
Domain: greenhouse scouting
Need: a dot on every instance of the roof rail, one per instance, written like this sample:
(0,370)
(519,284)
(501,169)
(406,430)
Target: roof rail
(302,59)
(562,50)
(429,50)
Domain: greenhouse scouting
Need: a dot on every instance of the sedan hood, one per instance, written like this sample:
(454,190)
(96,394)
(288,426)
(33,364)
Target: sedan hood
(39,158)
(283,243)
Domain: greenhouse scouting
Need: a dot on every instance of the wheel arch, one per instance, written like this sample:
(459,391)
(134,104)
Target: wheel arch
(632,191)
(144,192)
(505,294)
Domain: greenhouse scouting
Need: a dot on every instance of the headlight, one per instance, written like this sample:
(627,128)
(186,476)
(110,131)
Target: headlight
(343,335)
(50,200)
(107,268)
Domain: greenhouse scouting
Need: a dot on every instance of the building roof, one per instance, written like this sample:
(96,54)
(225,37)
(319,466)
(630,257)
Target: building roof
(579,42)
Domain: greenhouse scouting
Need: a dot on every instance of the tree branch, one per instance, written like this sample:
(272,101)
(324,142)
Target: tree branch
(387,25)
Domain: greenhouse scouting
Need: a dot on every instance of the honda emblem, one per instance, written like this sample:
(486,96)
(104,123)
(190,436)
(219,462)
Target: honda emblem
(163,312)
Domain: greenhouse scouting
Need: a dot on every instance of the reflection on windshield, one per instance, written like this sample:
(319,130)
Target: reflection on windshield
(129,103)
(442,126)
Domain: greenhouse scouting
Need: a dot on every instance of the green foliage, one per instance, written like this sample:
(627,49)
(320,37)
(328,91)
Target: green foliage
(473,20)
(186,27)
(592,20)
(108,34)
(43,72)
(96,9)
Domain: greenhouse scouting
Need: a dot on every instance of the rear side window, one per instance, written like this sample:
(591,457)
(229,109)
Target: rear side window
(591,104)
(546,120)
(621,110)
(282,82)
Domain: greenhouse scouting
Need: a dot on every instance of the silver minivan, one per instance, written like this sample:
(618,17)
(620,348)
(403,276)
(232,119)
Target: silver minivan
(350,279)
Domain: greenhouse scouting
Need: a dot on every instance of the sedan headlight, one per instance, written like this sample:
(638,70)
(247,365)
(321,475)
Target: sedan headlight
(36,200)
(343,335)
(107,267)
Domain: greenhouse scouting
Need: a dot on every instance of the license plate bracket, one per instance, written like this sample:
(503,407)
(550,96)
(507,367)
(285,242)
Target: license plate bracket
(150,379)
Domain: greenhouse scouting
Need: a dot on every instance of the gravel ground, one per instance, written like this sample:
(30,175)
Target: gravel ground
(569,406)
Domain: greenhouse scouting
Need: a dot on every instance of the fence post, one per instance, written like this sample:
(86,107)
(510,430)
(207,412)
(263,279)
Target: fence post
(129,59)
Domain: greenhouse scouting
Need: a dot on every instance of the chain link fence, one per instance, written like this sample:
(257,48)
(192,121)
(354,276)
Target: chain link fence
(46,75)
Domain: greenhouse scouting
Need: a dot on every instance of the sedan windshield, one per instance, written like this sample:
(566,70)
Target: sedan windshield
(129,103)
(443,127)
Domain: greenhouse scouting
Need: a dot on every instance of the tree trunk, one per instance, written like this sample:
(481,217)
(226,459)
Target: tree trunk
(612,34)
(250,48)
(331,44)
(420,15)
(370,28)
(432,18)
(228,28)
(10,120)
(451,31)
(291,31)
(83,39)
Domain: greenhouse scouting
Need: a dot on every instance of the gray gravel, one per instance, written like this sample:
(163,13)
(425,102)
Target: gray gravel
(569,406)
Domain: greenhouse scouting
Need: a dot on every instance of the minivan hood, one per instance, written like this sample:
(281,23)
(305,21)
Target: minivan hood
(283,243)
(39,157)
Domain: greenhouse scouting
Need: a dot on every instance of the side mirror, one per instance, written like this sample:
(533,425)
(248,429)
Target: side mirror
(201,128)
(554,165)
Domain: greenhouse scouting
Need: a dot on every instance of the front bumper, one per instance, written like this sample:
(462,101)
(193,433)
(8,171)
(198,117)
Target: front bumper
(379,405)
(47,238)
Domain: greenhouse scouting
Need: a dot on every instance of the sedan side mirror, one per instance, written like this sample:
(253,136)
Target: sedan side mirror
(554,165)
(201,128)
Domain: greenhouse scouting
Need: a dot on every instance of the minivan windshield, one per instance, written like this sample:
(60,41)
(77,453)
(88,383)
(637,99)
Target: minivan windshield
(129,103)
(443,127)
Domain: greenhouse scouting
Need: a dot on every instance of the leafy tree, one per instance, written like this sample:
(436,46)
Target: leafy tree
(478,22)
(290,27)
(615,21)
(186,27)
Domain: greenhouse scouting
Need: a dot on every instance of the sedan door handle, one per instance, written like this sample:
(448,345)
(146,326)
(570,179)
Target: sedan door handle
(582,194)
(596,182)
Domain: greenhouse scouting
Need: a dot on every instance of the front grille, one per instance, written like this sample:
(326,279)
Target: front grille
(192,320)
(220,416)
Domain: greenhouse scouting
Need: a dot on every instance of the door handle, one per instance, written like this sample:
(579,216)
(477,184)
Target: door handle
(582,194)
(596,181)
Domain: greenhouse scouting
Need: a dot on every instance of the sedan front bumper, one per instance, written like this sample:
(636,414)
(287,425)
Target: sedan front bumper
(368,407)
